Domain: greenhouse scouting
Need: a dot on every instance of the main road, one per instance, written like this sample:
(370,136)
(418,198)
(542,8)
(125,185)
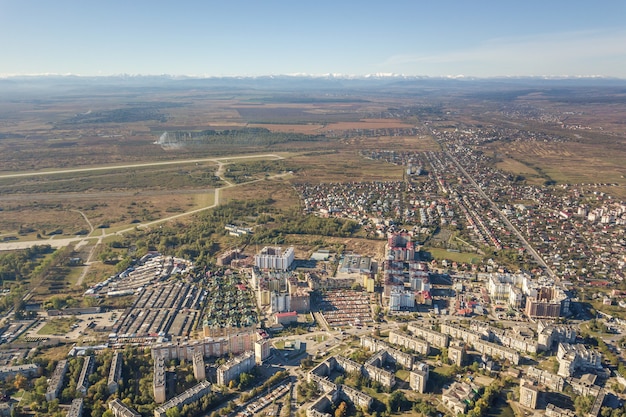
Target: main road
(495,208)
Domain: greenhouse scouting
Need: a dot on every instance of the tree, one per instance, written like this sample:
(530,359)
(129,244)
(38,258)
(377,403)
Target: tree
(396,402)
(20,382)
(582,404)
(173,412)
(341,410)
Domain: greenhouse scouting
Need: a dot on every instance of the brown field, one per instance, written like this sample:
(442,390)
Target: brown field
(571,162)
(366,124)
(115,210)
(38,135)
(308,128)
(515,167)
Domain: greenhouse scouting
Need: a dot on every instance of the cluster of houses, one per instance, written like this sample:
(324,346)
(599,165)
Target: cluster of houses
(561,221)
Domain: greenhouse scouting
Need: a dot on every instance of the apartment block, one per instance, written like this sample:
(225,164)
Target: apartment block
(577,357)
(235,367)
(528,394)
(199,371)
(192,394)
(115,373)
(119,409)
(418,377)
(56,380)
(28,370)
(83,380)
(158,383)
(495,350)
(76,409)
(409,342)
(433,337)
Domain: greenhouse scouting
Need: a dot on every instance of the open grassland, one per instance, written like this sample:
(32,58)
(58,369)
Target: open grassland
(43,214)
(305,128)
(366,124)
(57,326)
(570,162)
(342,165)
(279,190)
(307,244)
(463,257)
(170,177)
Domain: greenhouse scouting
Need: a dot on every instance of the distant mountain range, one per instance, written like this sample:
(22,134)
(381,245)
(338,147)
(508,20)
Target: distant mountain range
(38,84)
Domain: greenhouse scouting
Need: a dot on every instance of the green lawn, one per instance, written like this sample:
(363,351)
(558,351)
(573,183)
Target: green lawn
(57,326)
(466,257)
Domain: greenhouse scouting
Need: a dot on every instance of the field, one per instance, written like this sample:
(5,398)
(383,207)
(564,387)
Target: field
(87,166)
(440,254)
(57,326)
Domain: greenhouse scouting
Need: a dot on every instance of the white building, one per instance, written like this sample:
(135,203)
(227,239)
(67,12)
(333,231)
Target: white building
(274,258)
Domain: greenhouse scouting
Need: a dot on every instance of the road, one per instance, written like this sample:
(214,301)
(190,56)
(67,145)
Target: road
(138,165)
(504,219)
(82,240)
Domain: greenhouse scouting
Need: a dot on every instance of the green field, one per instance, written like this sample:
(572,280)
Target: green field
(464,257)
(58,326)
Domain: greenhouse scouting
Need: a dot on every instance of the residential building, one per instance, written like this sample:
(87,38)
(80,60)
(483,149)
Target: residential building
(547,302)
(457,332)
(76,409)
(83,379)
(55,384)
(192,394)
(199,371)
(115,372)
(235,367)
(119,409)
(418,377)
(158,382)
(457,353)
(528,394)
(577,357)
(431,336)
(373,369)
(495,350)
(28,370)
(261,350)
(554,382)
(417,345)
(457,397)
(376,345)
(274,258)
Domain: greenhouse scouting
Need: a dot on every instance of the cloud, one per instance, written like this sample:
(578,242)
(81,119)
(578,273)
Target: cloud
(576,53)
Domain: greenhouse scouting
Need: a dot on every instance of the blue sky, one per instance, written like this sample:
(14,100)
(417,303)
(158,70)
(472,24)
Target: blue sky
(262,37)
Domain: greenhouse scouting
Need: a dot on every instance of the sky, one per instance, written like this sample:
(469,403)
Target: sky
(315,37)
